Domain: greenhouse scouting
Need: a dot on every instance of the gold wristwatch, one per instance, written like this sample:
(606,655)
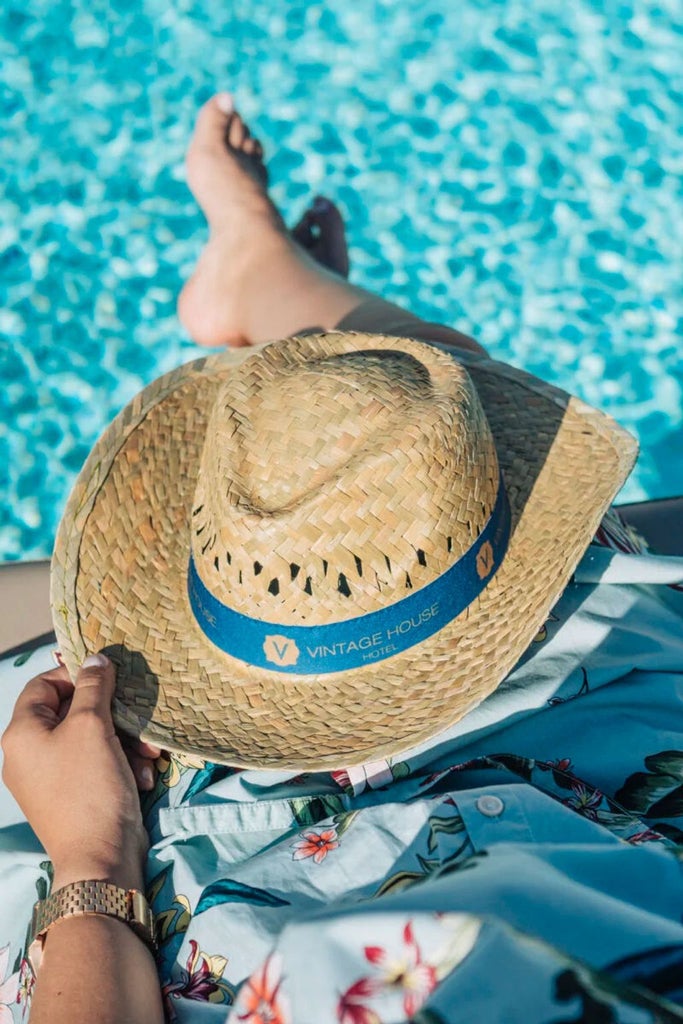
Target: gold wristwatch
(90,897)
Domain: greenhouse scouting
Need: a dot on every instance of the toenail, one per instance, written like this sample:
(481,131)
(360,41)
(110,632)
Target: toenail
(224,102)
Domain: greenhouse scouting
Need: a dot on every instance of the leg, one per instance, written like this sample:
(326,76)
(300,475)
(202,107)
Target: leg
(659,522)
(24,602)
(255,281)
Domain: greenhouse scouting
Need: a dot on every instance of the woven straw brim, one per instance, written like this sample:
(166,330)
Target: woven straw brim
(120,566)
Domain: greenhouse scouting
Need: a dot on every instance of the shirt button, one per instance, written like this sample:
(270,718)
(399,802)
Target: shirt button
(490,806)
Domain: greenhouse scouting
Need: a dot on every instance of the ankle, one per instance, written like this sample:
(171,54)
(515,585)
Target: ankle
(247,221)
(270,285)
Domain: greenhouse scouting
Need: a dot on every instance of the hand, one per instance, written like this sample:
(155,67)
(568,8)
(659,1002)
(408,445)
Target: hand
(66,768)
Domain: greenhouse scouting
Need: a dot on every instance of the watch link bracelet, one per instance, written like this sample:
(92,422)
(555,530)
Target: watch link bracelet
(90,897)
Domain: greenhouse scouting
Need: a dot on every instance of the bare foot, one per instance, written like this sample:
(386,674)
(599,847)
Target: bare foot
(321,232)
(248,241)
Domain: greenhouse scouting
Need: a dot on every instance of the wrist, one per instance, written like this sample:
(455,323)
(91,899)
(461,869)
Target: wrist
(120,862)
(126,874)
(93,901)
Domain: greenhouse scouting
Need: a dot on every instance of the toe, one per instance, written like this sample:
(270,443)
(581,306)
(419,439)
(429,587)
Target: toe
(321,232)
(210,112)
(302,231)
(211,123)
(236,132)
(330,220)
(224,102)
(224,162)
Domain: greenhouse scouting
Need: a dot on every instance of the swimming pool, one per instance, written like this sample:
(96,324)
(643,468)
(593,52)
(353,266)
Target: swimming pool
(512,169)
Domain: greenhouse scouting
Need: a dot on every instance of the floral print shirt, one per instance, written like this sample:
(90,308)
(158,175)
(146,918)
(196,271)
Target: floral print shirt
(523,866)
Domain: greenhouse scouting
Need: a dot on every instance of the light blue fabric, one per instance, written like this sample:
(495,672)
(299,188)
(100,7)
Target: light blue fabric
(524,866)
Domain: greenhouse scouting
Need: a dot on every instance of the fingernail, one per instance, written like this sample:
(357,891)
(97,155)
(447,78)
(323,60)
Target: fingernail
(321,205)
(224,102)
(147,777)
(96,661)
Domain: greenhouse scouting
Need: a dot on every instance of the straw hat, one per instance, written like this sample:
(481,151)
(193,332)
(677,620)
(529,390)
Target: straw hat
(327,550)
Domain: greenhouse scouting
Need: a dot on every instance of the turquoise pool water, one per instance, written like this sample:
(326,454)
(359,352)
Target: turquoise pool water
(513,169)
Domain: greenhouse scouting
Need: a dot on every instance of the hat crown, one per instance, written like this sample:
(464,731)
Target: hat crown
(334,480)
(312,421)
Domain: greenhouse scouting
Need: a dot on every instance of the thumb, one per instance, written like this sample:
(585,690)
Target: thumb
(94,686)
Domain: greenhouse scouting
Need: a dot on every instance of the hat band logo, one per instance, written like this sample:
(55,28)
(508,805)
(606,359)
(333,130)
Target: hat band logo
(355,642)
(280,650)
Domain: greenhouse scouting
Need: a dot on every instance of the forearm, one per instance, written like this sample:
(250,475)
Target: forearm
(95,968)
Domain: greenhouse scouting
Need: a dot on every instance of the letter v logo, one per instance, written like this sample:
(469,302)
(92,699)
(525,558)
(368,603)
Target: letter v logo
(281,650)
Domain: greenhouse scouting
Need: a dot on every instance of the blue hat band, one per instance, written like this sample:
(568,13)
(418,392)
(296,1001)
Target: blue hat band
(354,643)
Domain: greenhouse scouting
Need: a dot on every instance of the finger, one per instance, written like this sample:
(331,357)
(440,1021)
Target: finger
(141,747)
(149,749)
(43,695)
(143,770)
(64,708)
(94,687)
